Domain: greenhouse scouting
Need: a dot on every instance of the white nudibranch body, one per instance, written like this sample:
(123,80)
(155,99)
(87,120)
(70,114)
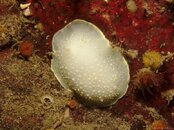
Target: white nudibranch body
(85,63)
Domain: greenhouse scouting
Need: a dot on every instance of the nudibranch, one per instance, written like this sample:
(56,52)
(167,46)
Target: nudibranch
(85,63)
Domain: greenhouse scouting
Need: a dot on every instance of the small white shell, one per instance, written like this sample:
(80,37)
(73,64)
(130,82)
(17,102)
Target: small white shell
(85,63)
(24,6)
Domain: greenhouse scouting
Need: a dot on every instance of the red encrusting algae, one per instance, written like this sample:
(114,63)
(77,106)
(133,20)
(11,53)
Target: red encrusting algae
(52,14)
(147,28)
